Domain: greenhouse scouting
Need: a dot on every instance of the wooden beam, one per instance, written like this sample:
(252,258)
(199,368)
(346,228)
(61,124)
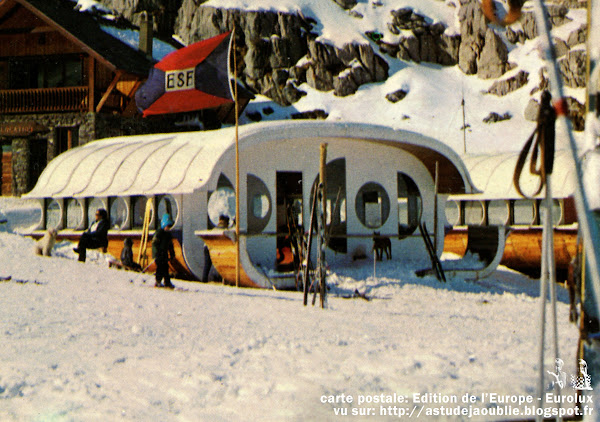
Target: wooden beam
(134,89)
(7,9)
(110,88)
(130,108)
(69,36)
(46,28)
(91,83)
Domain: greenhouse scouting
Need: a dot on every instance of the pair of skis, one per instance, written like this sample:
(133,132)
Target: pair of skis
(323,238)
(435,261)
(142,255)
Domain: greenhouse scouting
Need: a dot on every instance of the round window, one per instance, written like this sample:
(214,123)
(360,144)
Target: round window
(556,212)
(524,212)
(473,212)
(372,205)
(93,206)
(221,202)
(139,204)
(74,214)
(167,205)
(498,212)
(409,205)
(53,212)
(557,216)
(453,213)
(118,213)
(259,204)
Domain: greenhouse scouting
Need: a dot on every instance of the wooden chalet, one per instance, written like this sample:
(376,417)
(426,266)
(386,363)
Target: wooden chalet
(65,81)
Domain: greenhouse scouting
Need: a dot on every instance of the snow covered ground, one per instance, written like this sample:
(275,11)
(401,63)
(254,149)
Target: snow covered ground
(84,342)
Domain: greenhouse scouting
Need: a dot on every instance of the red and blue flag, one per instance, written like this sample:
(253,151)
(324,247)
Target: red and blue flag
(193,78)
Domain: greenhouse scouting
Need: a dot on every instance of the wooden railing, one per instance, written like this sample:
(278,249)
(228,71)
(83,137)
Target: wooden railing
(44,100)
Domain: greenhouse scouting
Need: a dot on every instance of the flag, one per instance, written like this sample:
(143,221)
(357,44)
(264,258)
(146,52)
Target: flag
(192,78)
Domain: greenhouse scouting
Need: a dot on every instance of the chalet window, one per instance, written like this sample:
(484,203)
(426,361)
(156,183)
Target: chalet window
(45,72)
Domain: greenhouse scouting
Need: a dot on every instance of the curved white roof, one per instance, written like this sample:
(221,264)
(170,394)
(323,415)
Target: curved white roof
(493,175)
(182,162)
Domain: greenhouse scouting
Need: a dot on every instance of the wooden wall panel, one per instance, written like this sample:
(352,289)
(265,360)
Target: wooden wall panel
(6,167)
(36,44)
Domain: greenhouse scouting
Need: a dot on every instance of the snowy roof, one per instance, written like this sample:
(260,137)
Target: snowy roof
(131,37)
(83,29)
(183,162)
(137,165)
(493,175)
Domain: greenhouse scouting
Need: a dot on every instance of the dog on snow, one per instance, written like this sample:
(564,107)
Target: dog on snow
(45,244)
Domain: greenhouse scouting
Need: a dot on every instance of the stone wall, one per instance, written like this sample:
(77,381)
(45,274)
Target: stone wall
(20,166)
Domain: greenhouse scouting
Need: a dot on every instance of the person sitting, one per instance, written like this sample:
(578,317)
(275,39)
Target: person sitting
(223,222)
(94,237)
(127,256)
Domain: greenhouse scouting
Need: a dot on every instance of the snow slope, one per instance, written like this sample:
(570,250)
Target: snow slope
(84,342)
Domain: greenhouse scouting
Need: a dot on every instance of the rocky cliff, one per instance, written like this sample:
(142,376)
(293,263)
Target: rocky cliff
(277,52)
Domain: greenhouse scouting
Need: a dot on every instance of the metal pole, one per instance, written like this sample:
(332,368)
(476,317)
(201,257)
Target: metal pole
(542,340)
(548,281)
(590,233)
(237,171)
(464,123)
(435,207)
(323,221)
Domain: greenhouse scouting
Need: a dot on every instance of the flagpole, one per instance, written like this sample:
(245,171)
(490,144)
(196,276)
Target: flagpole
(237,170)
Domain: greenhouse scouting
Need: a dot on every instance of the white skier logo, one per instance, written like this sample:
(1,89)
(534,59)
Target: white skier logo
(584,382)
(560,377)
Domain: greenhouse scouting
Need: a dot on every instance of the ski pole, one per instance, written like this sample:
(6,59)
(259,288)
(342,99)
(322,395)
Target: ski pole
(590,231)
(143,271)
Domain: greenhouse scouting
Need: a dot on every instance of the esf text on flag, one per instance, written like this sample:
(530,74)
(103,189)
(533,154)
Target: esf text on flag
(178,80)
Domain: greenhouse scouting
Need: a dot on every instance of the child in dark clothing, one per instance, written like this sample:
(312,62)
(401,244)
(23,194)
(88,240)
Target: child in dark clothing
(163,251)
(127,256)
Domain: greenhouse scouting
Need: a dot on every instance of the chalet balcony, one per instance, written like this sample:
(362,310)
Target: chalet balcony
(44,100)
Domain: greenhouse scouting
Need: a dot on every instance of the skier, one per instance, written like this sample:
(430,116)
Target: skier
(94,237)
(163,251)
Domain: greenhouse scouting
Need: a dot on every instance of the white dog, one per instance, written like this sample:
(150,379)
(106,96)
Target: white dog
(45,244)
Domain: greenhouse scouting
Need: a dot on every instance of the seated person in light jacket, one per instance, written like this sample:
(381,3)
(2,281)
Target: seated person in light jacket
(94,237)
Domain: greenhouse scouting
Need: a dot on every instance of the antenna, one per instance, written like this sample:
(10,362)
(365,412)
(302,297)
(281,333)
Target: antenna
(464,128)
